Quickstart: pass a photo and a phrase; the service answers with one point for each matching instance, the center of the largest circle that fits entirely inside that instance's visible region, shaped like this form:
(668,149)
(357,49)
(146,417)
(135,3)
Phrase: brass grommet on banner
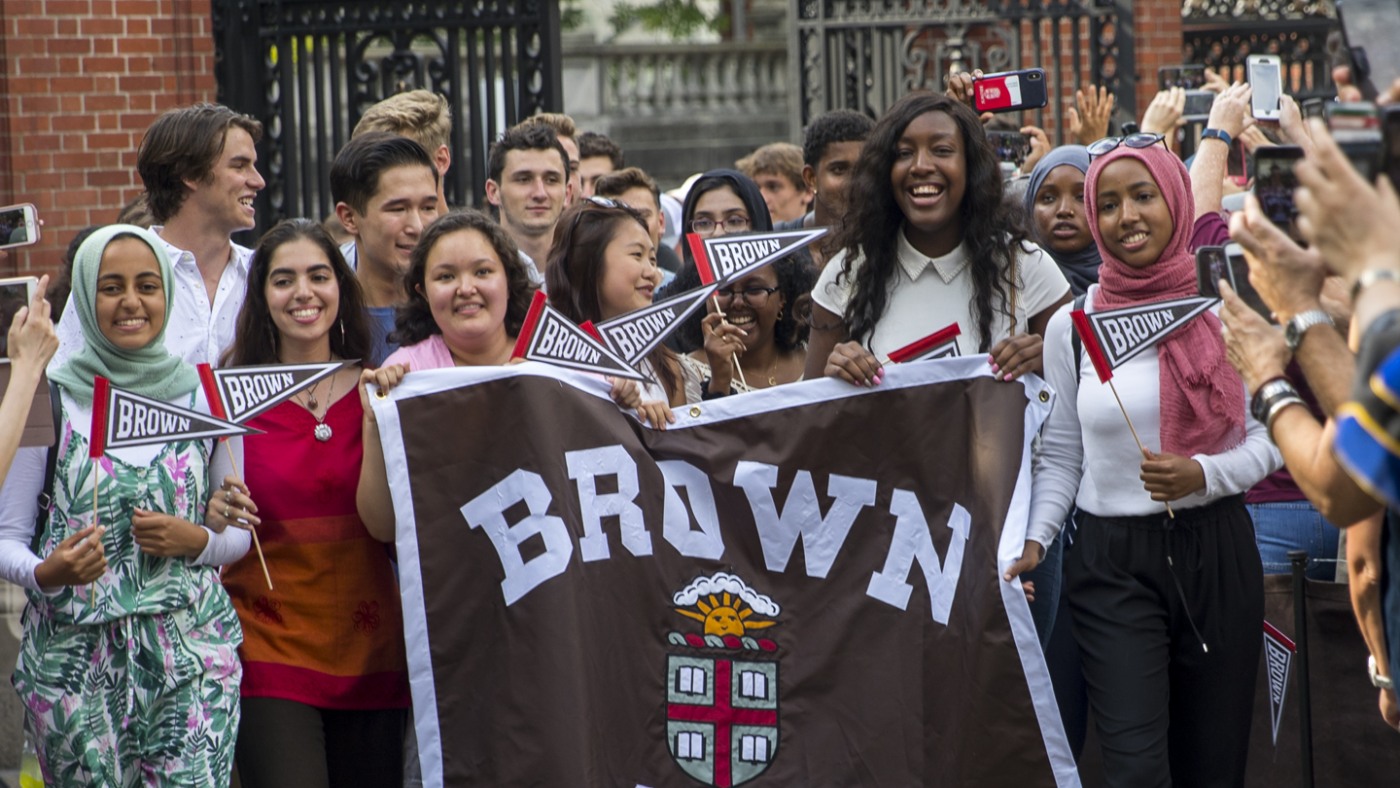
(381,394)
(695,412)
(1044,396)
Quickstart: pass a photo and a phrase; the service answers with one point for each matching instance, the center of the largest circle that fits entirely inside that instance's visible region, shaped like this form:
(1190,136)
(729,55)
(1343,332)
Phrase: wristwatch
(1378,681)
(1216,134)
(1299,325)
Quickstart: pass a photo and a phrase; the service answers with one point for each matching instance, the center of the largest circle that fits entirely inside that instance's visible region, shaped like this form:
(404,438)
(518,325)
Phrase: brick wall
(82,80)
(1157,38)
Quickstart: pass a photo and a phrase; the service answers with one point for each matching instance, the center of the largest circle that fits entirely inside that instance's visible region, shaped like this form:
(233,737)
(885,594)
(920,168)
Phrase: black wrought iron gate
(308,69)
(865,54)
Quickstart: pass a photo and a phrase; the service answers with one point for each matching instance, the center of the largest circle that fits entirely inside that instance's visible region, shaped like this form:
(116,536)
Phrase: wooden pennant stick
(252,529)
(738,370)
(1131,428)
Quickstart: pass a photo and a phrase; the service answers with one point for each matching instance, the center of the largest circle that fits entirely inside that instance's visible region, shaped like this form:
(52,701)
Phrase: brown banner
(797,587)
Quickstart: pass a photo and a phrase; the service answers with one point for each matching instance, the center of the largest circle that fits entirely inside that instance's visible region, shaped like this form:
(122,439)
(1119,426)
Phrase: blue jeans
(1048,577)
(1294,525)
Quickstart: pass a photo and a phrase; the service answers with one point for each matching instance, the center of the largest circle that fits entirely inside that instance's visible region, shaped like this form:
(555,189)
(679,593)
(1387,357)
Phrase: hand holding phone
(15,294)
(1010,91)
(1266,77)
(1275,182)
(1186,77)
(19,225)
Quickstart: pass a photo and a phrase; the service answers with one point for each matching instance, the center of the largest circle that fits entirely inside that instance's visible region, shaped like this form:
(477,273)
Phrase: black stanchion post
(1299,561)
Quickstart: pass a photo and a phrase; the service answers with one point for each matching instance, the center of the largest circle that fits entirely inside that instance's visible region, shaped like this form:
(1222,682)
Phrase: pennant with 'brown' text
(637,333)
(128,419)
(727,258)
(240,393)
(1124,333)
(549,336)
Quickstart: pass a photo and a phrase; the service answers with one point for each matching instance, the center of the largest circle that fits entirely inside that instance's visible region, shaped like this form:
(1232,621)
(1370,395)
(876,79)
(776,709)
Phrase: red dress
(331,633)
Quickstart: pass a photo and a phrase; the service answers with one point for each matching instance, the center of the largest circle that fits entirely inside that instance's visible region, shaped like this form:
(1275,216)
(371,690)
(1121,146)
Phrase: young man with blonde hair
(777,169)
(424,117)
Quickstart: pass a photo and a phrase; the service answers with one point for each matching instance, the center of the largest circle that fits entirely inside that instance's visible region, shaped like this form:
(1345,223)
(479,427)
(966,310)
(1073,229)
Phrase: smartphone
(19,226)
(14,294)
(1266,77)
(1369,28)
(1390,143)
(1211,266)
(1274,182)
(1011,147)
(1356,126)
(1198,104)
(1239,281)
(1238,167)
(1010,91)
(1185,77)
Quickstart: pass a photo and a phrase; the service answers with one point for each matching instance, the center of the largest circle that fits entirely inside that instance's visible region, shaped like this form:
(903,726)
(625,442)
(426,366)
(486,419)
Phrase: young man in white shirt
(385,189)
(199,166)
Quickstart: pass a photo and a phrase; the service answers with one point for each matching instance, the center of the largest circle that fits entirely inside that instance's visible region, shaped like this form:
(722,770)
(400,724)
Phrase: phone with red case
(1010,91)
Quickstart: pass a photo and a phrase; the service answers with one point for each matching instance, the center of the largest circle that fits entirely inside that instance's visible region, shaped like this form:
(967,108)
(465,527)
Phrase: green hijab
(150,371)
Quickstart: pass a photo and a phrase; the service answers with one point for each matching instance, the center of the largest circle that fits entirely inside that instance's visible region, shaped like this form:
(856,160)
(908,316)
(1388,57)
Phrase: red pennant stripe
(921,346)
(592,330)
(702,260)
(211,391)
(1091,344)
(532,319)
(97,438)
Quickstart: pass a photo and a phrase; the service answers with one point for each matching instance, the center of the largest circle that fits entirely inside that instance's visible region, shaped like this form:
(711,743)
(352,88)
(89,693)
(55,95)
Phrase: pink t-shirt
(431,353)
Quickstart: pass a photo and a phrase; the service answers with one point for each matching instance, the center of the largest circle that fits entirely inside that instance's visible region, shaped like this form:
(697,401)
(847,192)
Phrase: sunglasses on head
(1139,141)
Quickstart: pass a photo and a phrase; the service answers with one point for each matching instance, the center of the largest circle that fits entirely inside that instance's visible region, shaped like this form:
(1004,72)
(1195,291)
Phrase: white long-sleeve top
(1088,456)
(19,499)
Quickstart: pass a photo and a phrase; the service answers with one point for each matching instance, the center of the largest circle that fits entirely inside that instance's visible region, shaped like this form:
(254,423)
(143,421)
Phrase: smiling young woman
(1166,608)
(127,668)
(928,242)
(602,265)
(324,696)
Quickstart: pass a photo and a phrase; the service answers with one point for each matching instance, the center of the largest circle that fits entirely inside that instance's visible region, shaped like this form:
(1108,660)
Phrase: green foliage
(678,19)
(571,16)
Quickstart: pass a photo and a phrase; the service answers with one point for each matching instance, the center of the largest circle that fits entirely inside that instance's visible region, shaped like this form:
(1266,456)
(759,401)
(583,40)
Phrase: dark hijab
(1081,268)
(688,338)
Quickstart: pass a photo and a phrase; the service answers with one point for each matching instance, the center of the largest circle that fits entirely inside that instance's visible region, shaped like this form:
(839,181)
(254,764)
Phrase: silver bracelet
(1276,407)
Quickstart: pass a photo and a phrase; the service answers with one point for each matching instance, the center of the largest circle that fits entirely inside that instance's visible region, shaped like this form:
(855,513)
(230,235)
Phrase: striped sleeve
(1368,427)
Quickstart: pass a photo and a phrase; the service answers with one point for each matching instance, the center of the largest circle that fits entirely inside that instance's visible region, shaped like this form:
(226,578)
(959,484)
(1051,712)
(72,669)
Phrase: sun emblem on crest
(725,615)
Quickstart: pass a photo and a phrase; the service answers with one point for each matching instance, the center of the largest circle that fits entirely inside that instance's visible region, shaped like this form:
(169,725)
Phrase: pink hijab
(1202,398)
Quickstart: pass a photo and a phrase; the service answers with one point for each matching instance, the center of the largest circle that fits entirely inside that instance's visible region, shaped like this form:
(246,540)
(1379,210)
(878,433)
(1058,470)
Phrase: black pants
(284,743)
(1145,594)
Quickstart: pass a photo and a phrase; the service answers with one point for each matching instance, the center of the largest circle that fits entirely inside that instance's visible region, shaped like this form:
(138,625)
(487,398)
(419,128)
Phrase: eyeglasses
(1139,141)
(737,223)
(754,296)
(601,202)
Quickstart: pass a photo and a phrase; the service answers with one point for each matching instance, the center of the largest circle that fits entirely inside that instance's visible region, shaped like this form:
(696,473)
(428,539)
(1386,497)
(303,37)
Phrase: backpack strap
(50,468)
(1075,343)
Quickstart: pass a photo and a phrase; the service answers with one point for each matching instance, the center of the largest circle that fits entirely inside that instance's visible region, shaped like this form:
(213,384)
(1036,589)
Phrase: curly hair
(414,321)
(257,341)
(828,128)
(578,263)
(990,230)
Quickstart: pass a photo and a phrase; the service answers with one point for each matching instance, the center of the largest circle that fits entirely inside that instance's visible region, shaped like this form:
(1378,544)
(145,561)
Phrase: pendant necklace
(322,432)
